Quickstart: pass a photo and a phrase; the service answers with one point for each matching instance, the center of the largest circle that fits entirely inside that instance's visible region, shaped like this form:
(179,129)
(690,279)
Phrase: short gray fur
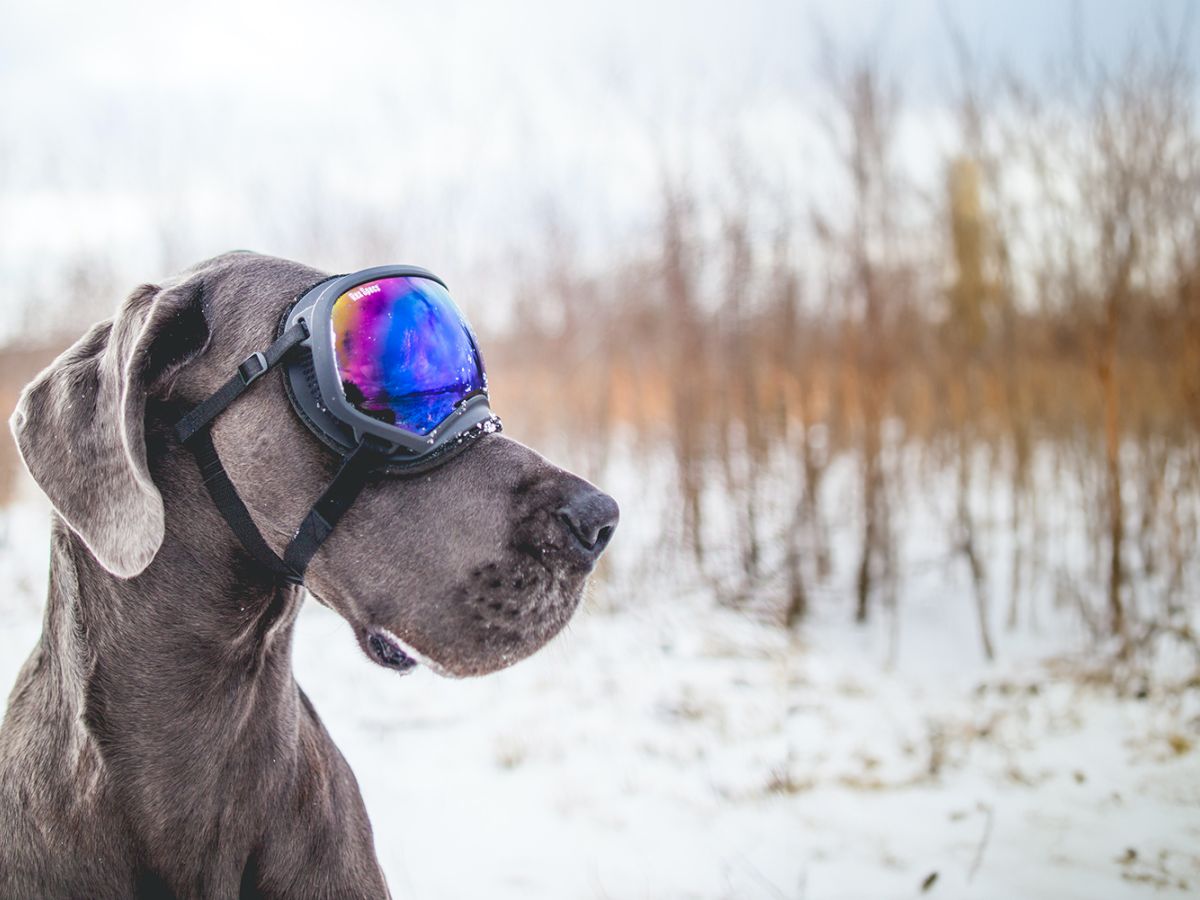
(156,743)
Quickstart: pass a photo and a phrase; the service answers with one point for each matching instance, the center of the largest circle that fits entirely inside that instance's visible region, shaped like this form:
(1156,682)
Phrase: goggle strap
(230,505)
(332,504)
(254,367)
(193,431)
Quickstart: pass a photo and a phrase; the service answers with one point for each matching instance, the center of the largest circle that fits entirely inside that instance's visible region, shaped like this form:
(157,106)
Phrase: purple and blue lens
(405,354)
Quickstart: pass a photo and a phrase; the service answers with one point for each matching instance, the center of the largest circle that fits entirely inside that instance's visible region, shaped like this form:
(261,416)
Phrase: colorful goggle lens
(405,354)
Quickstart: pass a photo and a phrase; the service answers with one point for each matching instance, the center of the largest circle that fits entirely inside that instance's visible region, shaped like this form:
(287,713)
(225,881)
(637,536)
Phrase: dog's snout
(591,516)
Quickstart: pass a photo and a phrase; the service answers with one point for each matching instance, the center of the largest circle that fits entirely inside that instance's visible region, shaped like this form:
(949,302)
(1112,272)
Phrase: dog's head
(470,566)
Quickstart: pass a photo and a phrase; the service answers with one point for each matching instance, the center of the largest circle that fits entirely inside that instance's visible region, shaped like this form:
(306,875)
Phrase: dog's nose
(591,517)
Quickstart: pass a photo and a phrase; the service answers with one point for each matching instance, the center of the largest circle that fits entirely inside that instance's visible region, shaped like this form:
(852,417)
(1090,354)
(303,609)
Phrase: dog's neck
(179,675)
(168,733)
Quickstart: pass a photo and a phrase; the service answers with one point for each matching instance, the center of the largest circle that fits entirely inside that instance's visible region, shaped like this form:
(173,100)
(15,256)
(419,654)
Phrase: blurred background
(880,319)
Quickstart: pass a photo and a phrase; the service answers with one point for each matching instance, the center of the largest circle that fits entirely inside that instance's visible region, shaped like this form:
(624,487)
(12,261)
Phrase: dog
(156,743)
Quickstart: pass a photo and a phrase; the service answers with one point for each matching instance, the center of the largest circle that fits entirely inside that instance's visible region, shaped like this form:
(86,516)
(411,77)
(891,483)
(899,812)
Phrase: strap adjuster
(248,372)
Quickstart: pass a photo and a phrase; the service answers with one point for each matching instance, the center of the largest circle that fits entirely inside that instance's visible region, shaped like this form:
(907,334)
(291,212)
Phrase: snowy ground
(668,750)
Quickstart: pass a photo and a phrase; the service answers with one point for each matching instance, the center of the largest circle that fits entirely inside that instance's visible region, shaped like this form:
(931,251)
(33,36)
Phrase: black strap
(332,505)
(252,368)
(225,496)
(194,432)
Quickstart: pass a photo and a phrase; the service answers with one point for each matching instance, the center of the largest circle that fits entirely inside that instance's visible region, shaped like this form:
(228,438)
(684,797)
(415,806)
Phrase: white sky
(143,136)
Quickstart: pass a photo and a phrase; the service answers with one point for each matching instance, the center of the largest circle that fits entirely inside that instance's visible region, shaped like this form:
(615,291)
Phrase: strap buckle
(249,375)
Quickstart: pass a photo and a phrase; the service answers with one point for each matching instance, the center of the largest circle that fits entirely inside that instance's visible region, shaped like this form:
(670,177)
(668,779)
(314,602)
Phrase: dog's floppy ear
(80,425)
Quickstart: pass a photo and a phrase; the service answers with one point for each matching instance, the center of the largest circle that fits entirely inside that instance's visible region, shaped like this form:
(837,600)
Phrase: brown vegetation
(1027,326)
(1046,303)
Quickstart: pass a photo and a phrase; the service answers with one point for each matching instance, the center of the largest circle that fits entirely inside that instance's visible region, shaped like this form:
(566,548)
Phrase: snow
(664,747)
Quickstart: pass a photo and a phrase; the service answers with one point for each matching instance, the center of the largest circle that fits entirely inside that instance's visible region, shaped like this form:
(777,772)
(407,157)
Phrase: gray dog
(156,743)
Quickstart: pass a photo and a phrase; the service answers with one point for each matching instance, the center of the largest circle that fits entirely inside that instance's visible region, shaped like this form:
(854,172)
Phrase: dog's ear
(80,425)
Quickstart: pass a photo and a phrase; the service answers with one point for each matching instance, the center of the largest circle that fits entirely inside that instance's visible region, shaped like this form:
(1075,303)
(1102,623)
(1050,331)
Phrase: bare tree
(861,125)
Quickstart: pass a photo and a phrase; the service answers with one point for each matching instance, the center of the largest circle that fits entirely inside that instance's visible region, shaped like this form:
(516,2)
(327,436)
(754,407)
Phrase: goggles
(383,368)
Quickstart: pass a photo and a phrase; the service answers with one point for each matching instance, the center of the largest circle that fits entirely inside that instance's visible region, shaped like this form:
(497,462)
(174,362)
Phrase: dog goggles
(383,368)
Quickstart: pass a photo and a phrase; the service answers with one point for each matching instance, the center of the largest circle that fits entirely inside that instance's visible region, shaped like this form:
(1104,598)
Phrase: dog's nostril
(591,516)
(604,535)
